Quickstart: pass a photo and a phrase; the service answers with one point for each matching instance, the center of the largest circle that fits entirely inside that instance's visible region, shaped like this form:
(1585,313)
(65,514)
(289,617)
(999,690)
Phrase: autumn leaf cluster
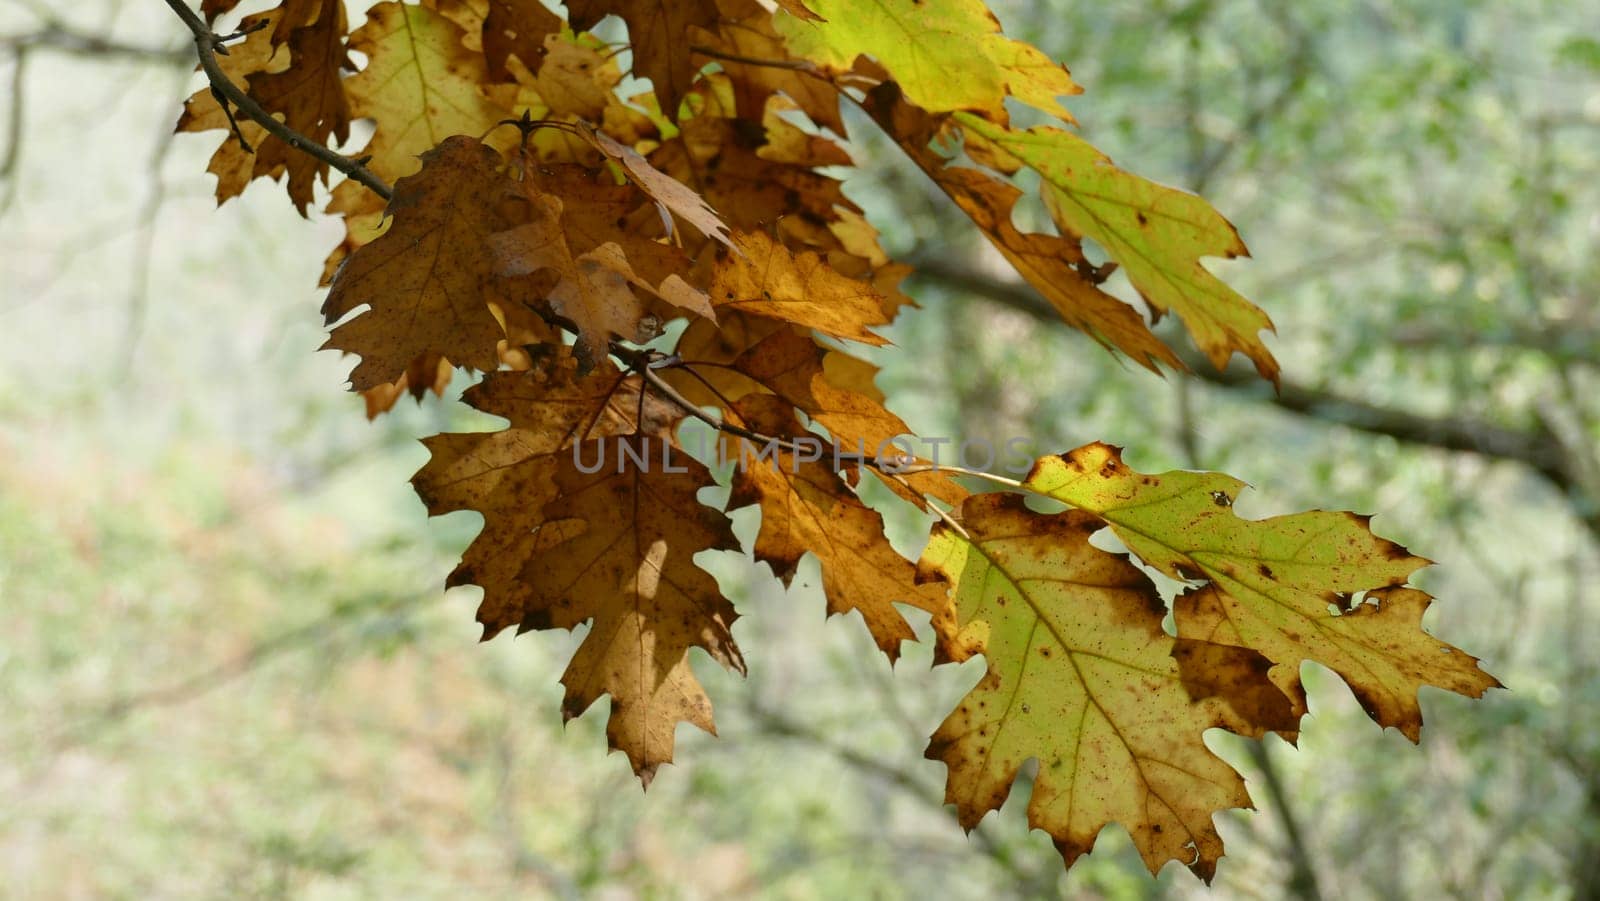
(624,233)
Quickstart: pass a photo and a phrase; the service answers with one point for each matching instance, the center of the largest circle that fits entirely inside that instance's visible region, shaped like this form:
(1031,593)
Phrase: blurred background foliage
(228,668)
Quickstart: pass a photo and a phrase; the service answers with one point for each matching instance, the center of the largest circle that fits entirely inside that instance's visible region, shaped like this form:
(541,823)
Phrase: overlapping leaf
(764,279)
(614,546)
(657,32)
(575,78)
(423,280)
(1281,585)
(291,62)
(517,28)
(746,32)
(594,290)
(421,84)
(673,197)
(806,507)
(429,372)
(1157,234)
(232,164)
(1081,677)
(628,566)
(507,475)
(1056,267)
(946,54)
(768,358)
(310,96)
(722,160)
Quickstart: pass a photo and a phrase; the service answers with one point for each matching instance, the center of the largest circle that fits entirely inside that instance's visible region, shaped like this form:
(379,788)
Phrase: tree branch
(54,35)
(206,45)
(1536,448)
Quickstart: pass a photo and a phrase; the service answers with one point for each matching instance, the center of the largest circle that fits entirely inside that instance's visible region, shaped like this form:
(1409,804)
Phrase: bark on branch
(207,45)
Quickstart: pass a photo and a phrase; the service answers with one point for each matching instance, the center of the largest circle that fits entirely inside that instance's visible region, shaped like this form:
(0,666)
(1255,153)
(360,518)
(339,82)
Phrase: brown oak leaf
(594,289)
(658,32)
(806,506)
(766,279)
(620,553)
(506,475)
(423,280)
(517,28)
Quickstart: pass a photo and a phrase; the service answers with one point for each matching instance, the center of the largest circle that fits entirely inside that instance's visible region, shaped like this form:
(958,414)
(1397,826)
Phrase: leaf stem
(961,471)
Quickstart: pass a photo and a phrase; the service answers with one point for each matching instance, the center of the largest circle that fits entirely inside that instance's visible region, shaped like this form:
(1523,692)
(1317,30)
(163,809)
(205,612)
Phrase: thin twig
(918,468)
(60,38)
(894,471)
(139,288)
(795,65)
(12,156)
(206,44)
(895,468)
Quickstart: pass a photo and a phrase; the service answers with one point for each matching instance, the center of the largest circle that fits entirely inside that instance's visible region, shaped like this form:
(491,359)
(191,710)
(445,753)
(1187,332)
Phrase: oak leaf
(766,279)
(861,256)
(1378,646)
(945,54)
(302,99)
(594,289)
(507,475)
(670,194)
(1055,267)
(791,366)
(614,546)
(423,279)
(308,95)
(1278,584)
(429,372)
(745,32)
(517,28)
(621,554)
(234,165)
(421,85)
(658,33)
(574,78)
(806,507)
(721,160)
(596,211)
(1156,233)
(1081,677)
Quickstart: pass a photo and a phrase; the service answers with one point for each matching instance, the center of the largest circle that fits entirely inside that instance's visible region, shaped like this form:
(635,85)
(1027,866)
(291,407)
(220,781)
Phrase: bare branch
(61,38)
(1536,448)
